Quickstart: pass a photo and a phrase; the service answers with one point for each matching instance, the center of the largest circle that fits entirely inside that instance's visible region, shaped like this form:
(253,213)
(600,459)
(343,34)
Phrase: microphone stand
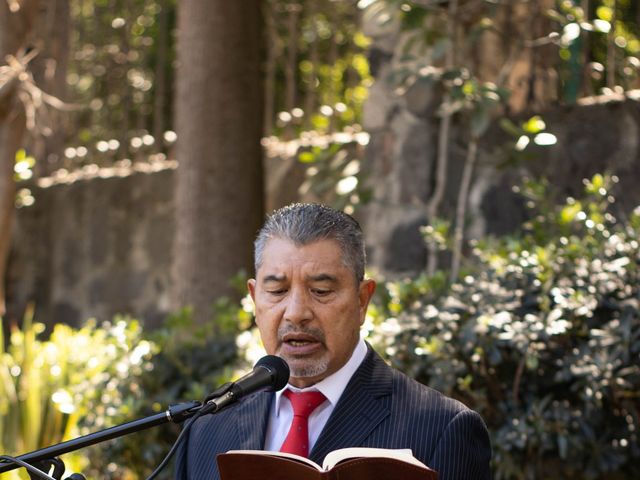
(48,457)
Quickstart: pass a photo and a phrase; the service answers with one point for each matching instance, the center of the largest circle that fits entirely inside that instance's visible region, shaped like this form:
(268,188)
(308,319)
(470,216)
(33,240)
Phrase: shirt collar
(333,385)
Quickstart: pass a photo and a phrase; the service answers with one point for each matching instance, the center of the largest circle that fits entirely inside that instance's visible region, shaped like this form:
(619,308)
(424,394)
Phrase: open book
(345,464)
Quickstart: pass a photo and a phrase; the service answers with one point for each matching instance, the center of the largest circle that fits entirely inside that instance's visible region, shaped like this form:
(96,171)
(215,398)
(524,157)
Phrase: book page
(337,456)
(291,456)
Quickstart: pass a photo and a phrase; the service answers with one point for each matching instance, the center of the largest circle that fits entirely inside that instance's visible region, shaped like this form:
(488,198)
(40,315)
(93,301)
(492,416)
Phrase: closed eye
(321,292)
(277,291)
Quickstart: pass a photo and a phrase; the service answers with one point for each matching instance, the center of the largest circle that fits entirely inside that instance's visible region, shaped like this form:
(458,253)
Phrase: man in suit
(311,297)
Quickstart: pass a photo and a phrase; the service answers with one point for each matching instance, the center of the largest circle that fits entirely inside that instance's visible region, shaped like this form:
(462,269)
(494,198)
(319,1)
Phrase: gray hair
(304,223)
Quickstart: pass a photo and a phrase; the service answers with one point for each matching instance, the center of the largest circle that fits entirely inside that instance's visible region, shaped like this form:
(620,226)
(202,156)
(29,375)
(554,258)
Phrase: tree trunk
(273,51)
(126,99)
(291,70)
(442,161)
(219,190)
(160,90)
(310,99)
(611,49)
(50,74)
(16,25)
(333,94)
(461,209)
(12,126)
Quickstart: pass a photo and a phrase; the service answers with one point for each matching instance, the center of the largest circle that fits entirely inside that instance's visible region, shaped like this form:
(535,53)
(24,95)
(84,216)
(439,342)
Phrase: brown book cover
(345,464)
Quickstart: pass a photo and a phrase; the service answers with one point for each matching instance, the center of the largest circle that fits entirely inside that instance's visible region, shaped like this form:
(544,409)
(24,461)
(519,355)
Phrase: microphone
(271,373)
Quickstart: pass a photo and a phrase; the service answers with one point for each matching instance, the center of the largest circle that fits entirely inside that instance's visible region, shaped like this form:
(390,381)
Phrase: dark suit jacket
(380,407)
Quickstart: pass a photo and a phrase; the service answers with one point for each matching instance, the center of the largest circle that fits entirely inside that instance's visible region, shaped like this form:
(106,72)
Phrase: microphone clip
(218,392)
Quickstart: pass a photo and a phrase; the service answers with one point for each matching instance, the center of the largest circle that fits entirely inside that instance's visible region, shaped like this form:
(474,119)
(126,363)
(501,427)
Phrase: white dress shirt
(331,387)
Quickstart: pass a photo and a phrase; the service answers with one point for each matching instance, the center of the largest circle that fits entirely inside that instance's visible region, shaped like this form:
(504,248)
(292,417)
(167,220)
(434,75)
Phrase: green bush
(80,381)
(85,380)
(541,336)
(57,389)
(191,361)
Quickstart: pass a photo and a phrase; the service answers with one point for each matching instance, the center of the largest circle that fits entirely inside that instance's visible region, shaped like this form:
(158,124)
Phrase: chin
(307,369)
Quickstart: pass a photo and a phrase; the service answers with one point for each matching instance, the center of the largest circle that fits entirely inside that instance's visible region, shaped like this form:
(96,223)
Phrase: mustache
(287,329)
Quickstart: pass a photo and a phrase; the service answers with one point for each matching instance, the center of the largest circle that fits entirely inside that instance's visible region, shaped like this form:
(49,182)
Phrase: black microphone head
(278,368)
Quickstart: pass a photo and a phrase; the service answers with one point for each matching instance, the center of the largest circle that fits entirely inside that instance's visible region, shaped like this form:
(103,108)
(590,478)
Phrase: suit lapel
(253,415)
(365,402)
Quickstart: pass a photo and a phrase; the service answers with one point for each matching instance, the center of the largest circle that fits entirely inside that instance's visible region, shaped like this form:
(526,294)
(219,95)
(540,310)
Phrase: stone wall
(94,247)
(99,244)
(598,135)
(601,135)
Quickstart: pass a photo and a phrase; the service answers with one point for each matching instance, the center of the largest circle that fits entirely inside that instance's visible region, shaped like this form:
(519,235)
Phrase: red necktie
(303,404)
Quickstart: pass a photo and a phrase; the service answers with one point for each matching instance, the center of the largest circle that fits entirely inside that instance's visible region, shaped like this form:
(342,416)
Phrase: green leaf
(306,157)
(597,182)
(534,125)
(21,155)
(510,127)
(469,88)
(604,13)
(569,212)
(414,17)
(361,40)
(453,74)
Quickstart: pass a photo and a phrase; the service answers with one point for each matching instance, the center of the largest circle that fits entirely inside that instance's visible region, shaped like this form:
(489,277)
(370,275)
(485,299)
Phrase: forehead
(281,255)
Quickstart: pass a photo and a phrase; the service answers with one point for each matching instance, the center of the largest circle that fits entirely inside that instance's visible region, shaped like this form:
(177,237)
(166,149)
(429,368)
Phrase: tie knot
(304,403)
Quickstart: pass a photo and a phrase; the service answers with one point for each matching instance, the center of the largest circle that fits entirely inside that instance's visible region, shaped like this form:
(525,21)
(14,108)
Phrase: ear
(251,286)
(365,293)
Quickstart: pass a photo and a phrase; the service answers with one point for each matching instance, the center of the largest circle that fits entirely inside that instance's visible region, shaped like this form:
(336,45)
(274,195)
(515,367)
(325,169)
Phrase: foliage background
(538,330)
(541,337)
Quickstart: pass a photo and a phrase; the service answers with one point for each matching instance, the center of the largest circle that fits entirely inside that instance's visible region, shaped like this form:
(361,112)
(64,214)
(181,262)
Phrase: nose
(297,308)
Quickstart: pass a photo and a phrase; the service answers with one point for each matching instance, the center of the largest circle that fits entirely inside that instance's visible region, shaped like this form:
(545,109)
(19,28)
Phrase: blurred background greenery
(538,328)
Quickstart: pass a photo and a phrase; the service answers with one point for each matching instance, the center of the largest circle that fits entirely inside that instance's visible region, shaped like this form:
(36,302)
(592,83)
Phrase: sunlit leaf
(346,185)
(596,183)
(21,154)
(604,12)
(534,125)
(602,26)
(569,213)
(469,88)
(545,139)
(306,157)
(522,143)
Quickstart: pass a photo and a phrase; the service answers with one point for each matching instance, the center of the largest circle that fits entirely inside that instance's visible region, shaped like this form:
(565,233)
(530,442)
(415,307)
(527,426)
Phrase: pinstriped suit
(380,407)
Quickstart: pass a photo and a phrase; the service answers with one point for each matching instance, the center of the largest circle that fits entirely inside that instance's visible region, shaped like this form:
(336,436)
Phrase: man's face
(309,307)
